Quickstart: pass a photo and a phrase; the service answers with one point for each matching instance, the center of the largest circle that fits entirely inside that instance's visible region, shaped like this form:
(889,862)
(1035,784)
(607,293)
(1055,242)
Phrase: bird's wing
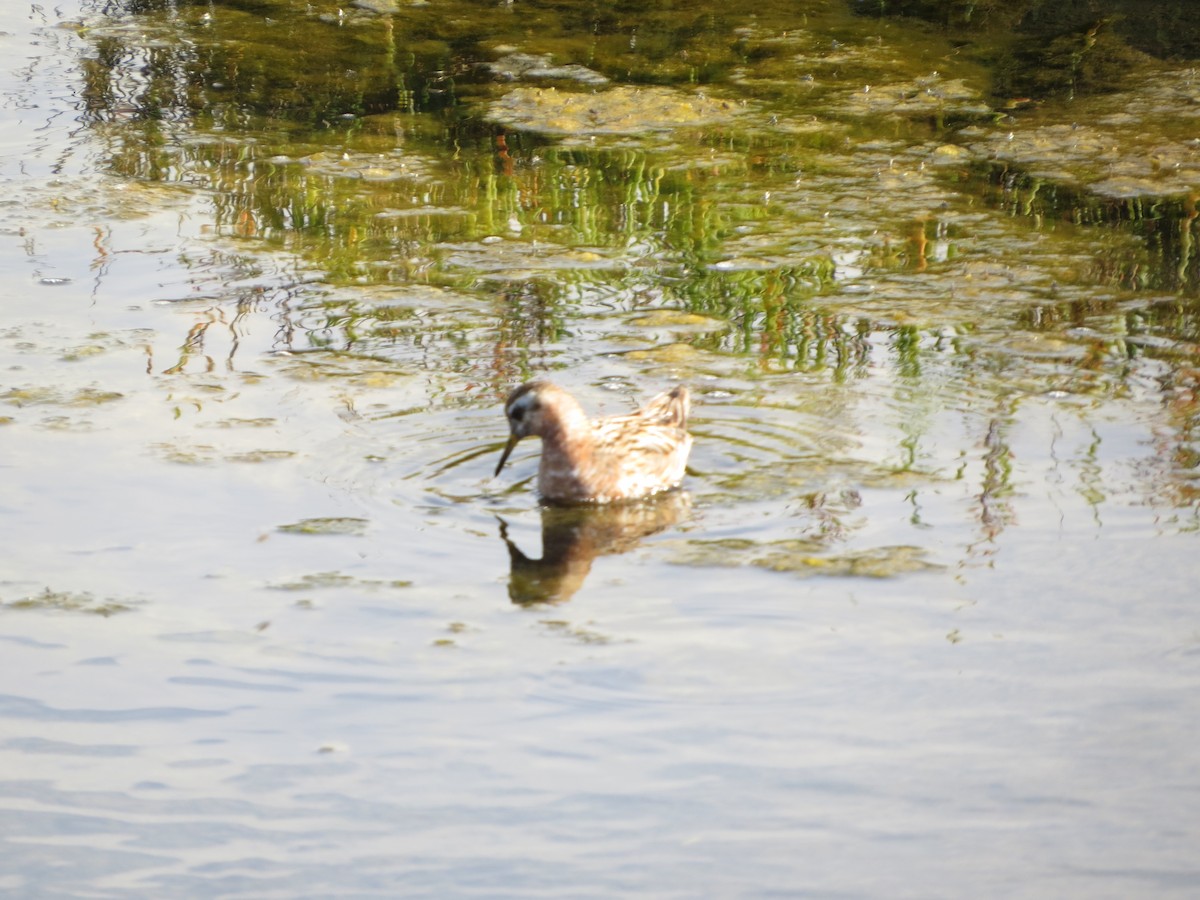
(633,436)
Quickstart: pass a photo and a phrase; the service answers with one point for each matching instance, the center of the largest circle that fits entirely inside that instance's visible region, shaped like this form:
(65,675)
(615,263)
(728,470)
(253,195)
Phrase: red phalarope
(600,460)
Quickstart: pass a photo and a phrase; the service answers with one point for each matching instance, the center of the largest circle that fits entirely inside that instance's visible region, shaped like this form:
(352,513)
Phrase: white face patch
(520,412)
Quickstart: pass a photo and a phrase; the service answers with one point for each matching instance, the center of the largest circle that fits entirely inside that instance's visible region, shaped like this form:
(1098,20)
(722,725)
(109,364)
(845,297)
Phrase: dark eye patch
(518,413)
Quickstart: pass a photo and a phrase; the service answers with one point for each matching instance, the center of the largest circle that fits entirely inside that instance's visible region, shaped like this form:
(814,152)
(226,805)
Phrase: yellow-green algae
(69,601)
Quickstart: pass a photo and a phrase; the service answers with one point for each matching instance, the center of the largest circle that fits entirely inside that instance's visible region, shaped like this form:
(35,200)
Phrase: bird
(604,460)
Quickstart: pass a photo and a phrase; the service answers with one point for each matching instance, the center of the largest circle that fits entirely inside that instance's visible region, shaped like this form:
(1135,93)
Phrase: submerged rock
(619,110)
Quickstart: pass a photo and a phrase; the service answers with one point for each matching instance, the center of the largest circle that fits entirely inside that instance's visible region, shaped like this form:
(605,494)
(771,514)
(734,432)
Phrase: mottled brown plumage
(601,460)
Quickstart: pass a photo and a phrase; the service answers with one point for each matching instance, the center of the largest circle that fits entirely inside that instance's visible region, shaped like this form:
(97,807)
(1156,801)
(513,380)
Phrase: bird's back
(644,452)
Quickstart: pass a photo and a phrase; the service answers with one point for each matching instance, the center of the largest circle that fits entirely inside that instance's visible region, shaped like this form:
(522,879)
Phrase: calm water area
(923,622)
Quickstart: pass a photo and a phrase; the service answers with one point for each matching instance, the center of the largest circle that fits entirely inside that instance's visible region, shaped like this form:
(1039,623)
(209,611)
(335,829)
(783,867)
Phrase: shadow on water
(1046,47)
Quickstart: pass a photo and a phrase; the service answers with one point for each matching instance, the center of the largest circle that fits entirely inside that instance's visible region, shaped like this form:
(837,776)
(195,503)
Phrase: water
(922,624)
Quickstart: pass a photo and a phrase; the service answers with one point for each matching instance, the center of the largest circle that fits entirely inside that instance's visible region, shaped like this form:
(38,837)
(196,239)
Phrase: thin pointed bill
(508,448)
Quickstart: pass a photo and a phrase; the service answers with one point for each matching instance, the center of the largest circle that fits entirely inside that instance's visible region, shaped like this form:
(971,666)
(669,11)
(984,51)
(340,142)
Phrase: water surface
(922,623)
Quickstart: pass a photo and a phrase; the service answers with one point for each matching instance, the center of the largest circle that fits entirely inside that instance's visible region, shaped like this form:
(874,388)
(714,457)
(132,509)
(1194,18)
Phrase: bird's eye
(518,413)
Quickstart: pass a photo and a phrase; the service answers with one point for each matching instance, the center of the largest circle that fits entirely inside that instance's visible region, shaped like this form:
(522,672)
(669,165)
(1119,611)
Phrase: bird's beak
(508,448)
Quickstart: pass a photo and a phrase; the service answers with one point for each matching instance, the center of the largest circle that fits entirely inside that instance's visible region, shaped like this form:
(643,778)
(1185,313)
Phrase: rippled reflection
(574,536)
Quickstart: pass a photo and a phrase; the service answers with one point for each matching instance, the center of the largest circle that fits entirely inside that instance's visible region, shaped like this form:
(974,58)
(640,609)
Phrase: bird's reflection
(573,536)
